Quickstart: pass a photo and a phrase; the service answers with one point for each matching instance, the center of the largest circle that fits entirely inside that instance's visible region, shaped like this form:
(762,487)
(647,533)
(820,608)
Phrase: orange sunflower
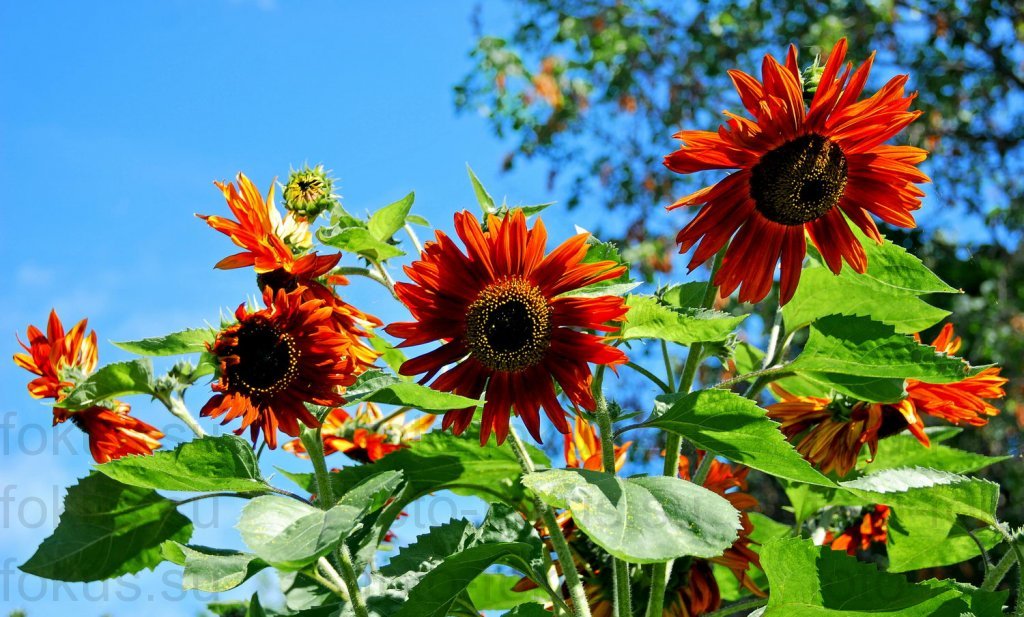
(275,360)
(501,311)
(368,436)
(583,448)
(271,243)
(871,527)
(799,169)
(61,359)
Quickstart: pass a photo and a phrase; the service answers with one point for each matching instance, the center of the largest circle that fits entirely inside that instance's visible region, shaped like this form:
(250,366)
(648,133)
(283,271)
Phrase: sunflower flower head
(60,360)
(309,192)
(800,169)
(275,360)
(368,436)
(505,323)
(868,526)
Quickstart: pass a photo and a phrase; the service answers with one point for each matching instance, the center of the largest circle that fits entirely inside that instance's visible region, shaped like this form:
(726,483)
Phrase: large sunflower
(277,248)
(275,360)
(799,169)
(505,323)
(61,359)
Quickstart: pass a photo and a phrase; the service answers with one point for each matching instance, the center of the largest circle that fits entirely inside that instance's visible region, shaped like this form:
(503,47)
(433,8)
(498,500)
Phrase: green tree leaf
(107,529)
(812,581)
(175,344)
(736,428)
(111,381)
(212,569)
(641,519)
(863,347)
(224,463)
(650,318)
(379,387)
(289,534)
(385,222)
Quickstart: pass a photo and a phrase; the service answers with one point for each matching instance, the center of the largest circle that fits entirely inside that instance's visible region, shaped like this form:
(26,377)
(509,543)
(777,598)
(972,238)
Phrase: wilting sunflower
(368,436)
(275,360)
(813,170)
(281,261)
(869,527)
(831,433)
(61,360)
(505,322)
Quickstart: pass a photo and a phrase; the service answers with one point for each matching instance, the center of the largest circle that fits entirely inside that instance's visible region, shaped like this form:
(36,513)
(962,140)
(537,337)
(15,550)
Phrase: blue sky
(117,116)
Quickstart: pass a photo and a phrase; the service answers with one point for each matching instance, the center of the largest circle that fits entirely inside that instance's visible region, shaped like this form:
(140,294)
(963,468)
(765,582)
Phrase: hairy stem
(997,573)
(178,409)
(674,443)
(580,605)
(620,570)
(666,388)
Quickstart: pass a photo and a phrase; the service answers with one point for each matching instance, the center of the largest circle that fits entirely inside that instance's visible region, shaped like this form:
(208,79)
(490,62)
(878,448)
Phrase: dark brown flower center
(799,181)
(508,326)
(277,279)
(268,359)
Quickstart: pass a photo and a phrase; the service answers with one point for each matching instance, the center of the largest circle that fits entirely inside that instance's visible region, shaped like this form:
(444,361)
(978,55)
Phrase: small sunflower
(505,322)
(61,359)
(309,192)
(870,527)
(800,169)
(275,360)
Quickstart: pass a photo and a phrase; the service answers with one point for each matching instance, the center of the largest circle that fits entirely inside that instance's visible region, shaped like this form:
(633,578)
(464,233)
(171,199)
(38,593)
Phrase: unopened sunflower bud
(309,192)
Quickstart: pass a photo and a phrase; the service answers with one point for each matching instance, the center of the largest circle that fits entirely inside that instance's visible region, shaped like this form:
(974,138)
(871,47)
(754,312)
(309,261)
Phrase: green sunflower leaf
(379,387)
(108,529)
(174,344)
(648,317)
(225,463)
(494,592)
(212,569)
(940,493)
(482,196)
(360,241)
(811,581)
(289,534)
(859,346)
(919,539)
(384,223)
(641,519)
(109,382)
(736,428)
(904,450)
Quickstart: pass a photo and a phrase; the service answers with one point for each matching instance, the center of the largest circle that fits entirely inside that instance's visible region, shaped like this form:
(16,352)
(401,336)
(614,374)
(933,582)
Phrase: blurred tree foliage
(596,88)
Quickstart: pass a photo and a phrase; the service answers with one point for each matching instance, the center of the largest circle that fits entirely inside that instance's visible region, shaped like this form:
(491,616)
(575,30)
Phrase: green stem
(580,605)
(178,409)
(327,576)
(997,573)
(670,373)
(771,357)
(415,239)
(314,445)
(701,473)
(674,443)
(620,570)
(390,416)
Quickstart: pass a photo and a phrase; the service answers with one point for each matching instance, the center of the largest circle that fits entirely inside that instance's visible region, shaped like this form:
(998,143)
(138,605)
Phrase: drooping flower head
(499,308)
(368,436)
(61,359)
(275,360)
(799,169)
(277,249)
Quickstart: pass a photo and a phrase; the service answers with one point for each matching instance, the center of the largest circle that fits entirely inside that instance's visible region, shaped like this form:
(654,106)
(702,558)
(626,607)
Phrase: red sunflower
(962,402)
(871,527)
(268,241)
(501,311)
(60,360)
(368,436)
(799,169)
(275,360)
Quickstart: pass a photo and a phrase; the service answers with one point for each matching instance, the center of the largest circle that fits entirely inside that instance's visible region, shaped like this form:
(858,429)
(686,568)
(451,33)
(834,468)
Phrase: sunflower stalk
(674,443)
(580,604)
(997,573)
(178,409)
(314,445)
(620,569)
